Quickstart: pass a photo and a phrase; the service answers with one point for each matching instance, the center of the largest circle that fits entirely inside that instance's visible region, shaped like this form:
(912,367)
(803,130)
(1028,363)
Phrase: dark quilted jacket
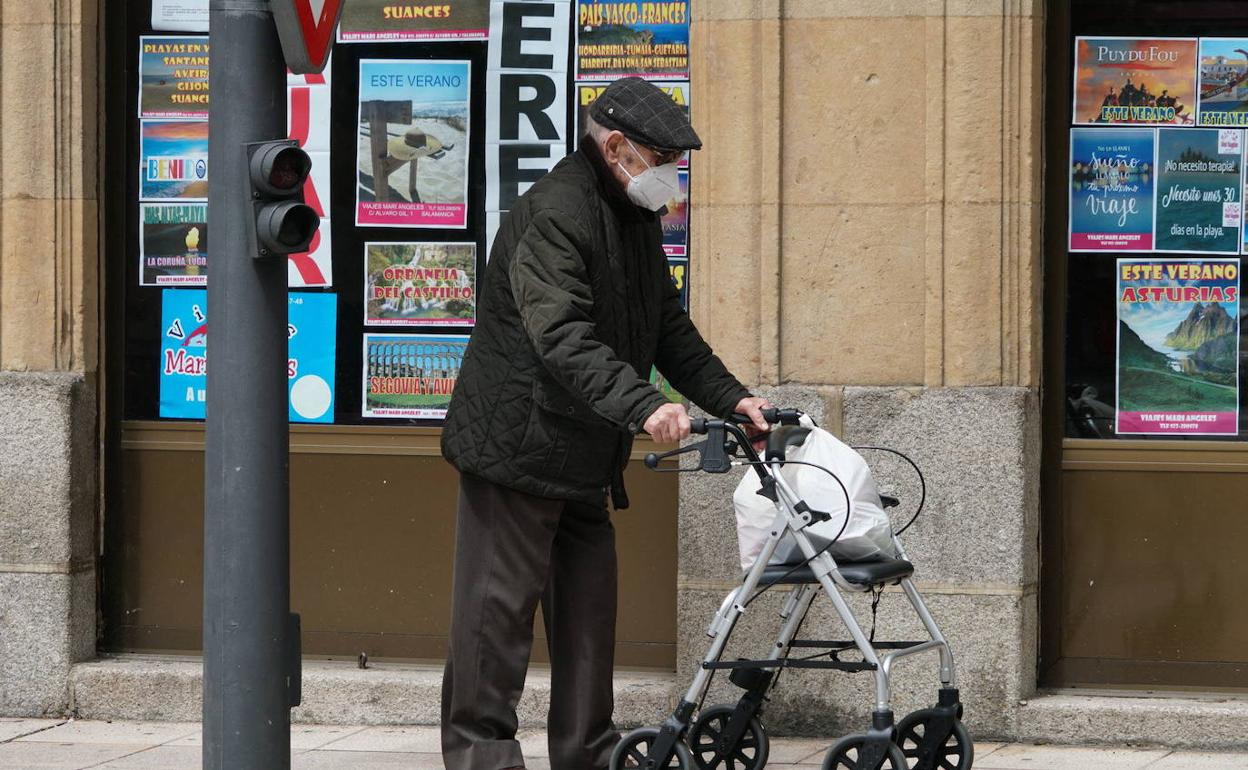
(574,307)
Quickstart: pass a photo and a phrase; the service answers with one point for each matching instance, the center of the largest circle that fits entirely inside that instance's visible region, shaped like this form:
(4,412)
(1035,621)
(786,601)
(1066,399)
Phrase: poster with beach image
(1133,80)
(420,284)
(410,376)
(173,244)
(173,160)
(385,21)
(173,77)
(1223,82)
(619,38)
(413,143)
(1112,186)
(1178,347)
(1198,190)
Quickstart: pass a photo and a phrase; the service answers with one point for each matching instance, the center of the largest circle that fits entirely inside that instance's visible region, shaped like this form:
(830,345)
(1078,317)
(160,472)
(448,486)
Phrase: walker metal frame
(819,572)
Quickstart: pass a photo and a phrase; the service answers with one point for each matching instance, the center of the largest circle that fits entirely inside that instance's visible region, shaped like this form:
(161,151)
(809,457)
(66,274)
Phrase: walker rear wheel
(844,756)
(957,753)
(630,752)
(709,751)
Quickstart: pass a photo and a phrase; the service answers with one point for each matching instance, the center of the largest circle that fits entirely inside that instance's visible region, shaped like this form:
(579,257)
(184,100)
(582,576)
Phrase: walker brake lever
(654,458)
(712,453)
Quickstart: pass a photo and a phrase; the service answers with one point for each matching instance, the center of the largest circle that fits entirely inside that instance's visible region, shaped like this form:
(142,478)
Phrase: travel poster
(386,21)
(1223,81)
(1135,80)
(173,77)
(1178,347)
(619,38)
(675,221)
(410,376)
(420,284)
(173,244)
(1198,189)
(311,344)
(173,160)
(1112,185)
(413,143)
(679,269)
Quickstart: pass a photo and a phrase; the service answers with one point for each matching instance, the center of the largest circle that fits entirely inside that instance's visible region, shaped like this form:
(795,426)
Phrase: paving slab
(27,755)
(132,733)
(1200,760)
(1017,756)
(415,740)
(159,758)
(16,728)
(302,737)
(365,760)
(795,750)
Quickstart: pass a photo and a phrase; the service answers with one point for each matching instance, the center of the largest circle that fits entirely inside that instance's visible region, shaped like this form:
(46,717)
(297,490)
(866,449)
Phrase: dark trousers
(513,550)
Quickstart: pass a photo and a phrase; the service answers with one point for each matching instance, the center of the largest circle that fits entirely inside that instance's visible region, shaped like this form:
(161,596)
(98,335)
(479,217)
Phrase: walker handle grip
(773,415)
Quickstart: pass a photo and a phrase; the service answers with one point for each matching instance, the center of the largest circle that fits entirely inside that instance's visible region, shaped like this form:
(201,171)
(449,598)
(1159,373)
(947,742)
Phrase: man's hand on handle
(668,424)
(752,407)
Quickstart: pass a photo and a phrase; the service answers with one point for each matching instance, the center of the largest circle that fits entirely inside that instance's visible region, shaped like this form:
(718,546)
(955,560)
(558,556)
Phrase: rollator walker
(731,736)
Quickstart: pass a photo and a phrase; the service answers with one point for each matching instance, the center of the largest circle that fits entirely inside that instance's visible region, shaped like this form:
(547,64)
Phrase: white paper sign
(511,169)
(180,15)
(526,107)
(314,267)
(307,117)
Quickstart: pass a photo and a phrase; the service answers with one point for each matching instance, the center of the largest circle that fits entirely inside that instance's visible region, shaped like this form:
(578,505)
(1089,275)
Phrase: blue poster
(183,353)
(1112,183)
(174,162)
(313,330)
(1198,189)
(312,334)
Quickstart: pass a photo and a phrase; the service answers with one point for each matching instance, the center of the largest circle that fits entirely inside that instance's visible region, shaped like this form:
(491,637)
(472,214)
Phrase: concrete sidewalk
(76,745)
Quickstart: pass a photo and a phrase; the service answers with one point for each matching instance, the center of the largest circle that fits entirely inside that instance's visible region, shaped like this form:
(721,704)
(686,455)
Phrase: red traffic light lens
(289,168)
(278,169)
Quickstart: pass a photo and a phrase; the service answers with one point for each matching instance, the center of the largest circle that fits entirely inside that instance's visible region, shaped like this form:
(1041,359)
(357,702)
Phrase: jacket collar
(607,185)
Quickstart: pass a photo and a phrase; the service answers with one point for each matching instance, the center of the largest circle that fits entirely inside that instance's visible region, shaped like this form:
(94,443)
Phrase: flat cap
(642,112)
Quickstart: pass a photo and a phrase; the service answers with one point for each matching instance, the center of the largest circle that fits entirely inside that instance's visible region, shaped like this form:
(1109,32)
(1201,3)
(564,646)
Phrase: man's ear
(611,147)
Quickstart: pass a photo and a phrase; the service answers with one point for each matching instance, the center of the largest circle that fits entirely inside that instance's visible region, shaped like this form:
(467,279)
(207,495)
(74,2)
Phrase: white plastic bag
(866,536)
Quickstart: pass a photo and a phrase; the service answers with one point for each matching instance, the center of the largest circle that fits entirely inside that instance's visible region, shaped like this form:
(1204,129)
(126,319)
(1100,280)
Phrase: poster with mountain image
(1198,190)
(1112,186)
(1178,347)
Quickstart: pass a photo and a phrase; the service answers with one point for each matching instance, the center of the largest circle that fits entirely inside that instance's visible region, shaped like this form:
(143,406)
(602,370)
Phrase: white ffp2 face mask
(653,188)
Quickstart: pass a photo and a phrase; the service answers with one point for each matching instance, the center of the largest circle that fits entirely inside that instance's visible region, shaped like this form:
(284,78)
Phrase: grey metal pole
(248,644)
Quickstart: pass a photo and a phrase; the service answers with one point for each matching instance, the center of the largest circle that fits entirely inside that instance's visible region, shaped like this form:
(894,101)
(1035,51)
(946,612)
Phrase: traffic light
(283,224)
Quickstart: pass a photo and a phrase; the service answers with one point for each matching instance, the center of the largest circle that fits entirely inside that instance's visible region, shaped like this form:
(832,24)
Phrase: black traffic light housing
(283,224)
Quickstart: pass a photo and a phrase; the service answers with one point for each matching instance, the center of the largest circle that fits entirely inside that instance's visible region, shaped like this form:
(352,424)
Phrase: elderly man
(576,305)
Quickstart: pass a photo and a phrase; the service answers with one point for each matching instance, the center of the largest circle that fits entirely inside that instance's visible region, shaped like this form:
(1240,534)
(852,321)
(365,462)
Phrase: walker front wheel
(956,753)
(630,753)
(710,749)
(845,753)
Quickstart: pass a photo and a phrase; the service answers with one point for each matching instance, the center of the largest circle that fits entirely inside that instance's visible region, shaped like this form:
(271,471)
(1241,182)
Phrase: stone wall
(866,239)
(867,203)
(49,327)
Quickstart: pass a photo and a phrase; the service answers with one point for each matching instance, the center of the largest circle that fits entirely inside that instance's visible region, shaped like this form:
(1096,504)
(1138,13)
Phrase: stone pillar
(866,247)
(49,134)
